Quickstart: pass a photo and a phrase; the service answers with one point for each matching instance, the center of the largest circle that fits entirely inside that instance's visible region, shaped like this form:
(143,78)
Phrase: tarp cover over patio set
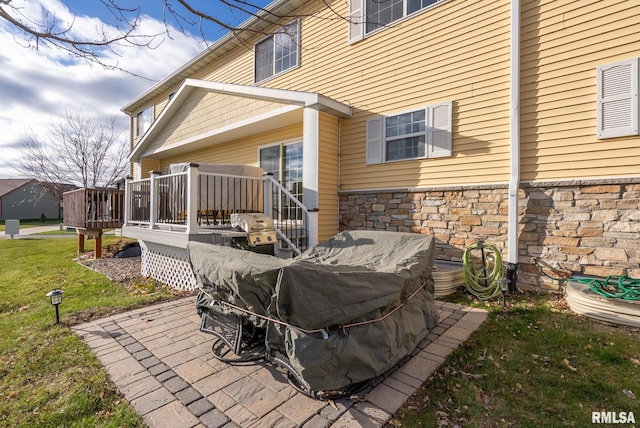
(340,314)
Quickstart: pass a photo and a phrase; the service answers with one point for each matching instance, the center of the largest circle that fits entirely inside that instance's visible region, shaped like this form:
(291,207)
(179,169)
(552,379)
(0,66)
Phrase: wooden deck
(94,208)
(90,211)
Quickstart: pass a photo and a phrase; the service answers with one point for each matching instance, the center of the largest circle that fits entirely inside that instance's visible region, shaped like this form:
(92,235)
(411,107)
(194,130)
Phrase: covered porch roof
(290,109)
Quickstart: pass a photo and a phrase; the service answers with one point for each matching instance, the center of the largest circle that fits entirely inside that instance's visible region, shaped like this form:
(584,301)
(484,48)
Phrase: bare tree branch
(47,33)
(52,32)
(79,150)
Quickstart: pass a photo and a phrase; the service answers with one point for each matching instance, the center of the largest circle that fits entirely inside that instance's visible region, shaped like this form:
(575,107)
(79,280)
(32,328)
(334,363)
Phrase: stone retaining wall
(584,227)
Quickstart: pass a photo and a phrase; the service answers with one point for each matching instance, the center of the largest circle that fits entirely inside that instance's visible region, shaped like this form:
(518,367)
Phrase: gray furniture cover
(343,312)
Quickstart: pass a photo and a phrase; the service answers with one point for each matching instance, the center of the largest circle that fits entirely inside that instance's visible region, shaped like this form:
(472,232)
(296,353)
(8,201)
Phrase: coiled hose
(611,287)
(482,284)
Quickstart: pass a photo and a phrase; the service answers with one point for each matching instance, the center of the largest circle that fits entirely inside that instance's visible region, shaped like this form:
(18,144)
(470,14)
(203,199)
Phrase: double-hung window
(277,53)
(405,136)
(143,121)
(417,134)
(366,16)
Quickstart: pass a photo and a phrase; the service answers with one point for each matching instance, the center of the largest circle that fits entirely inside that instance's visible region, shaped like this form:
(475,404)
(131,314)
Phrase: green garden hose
(611,287)
(614,287)
(481,283)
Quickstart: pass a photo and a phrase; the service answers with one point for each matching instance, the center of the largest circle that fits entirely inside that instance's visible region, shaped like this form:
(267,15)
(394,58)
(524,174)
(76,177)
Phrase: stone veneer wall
(586,227)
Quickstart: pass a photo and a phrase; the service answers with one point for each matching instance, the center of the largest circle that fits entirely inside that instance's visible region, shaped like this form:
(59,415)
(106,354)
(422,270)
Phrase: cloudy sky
(37,85)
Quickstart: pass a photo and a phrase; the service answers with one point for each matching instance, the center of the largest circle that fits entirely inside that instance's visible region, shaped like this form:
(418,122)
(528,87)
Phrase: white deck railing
(195,202)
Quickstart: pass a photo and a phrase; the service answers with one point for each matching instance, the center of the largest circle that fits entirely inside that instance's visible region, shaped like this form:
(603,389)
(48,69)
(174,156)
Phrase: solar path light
(504,287)
(56,299)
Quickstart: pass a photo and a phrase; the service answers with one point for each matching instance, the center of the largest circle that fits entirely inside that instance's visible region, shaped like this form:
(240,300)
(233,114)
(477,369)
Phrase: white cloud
(37,85)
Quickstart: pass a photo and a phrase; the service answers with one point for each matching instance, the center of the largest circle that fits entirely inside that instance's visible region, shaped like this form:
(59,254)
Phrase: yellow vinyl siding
(239,152)
(563,42)
(456,51)
(148,165)
(235,67)
(207,111)
(160,106)
(328,177)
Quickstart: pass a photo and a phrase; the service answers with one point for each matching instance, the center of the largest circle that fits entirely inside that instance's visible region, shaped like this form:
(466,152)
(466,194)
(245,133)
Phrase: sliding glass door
(285,163)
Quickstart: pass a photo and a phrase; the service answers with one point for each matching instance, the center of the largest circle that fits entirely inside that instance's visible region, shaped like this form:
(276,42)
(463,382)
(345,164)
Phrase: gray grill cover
(356,276)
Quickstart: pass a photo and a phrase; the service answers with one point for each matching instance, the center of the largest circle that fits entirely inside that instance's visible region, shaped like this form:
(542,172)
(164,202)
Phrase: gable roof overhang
(257,24)
(293,104)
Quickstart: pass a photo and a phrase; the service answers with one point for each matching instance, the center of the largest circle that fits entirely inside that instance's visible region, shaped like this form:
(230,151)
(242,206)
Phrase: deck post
(267,194)
(312,227)
(96,234)
(127,203)
(153,199)
(192,198)
(97,245)
(80,242)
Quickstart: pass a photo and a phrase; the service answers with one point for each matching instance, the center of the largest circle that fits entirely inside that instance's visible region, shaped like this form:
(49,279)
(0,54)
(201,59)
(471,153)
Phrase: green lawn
(48,376)
(534,364)
(24,224)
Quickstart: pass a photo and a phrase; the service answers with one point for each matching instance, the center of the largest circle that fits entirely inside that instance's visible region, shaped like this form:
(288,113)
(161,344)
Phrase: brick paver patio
(163,365)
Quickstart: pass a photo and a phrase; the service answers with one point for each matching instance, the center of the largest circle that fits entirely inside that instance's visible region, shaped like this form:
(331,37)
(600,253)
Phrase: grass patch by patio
(533,364)
(48,376)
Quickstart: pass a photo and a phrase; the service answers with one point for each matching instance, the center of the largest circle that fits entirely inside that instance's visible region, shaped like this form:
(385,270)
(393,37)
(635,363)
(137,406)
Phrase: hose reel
(483,276)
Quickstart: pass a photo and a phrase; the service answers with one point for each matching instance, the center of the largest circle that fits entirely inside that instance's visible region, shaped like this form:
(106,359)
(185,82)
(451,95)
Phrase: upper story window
(143,121)
(366,16)
(277,53)
(417,134)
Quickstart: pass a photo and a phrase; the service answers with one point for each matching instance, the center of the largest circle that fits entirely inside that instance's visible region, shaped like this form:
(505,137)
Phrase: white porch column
(310,144)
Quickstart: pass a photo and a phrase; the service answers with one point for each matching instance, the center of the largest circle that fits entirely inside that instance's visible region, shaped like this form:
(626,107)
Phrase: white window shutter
(618,107)
(375,141)
(439,131)
(356,20)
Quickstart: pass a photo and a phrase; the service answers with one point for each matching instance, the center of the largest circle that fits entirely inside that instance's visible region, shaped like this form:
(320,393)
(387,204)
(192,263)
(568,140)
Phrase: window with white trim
(366,16)
(618,101)
(416,134)
(143,121)
(277,53)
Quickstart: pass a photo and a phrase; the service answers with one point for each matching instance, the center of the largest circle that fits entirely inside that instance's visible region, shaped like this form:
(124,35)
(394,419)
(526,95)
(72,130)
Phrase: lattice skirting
(168,265)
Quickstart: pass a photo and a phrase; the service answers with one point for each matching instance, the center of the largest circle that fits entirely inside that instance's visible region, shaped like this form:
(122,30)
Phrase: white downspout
(514,180)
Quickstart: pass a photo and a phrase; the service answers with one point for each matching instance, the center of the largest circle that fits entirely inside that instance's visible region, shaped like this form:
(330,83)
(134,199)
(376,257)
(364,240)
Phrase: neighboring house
(512,121)
(26,199)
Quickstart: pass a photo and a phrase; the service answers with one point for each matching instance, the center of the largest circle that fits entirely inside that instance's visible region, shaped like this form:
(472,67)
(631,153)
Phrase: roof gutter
(514,179)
